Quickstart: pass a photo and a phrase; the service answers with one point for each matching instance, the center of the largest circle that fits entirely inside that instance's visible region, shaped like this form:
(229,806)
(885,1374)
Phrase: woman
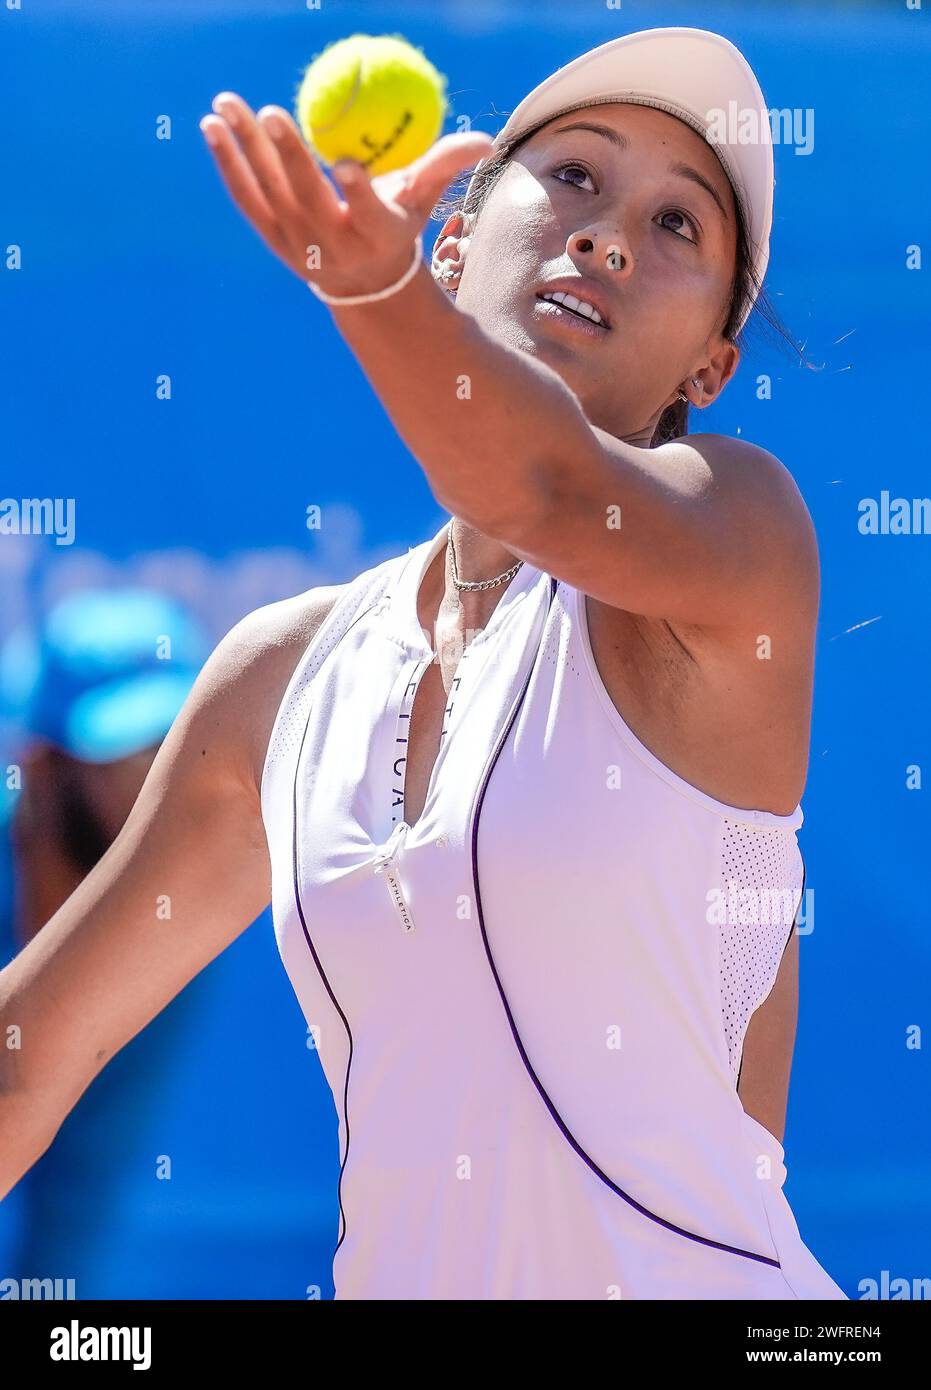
(504,862)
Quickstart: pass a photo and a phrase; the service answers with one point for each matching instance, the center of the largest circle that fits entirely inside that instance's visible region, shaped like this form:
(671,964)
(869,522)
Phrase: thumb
(426,178)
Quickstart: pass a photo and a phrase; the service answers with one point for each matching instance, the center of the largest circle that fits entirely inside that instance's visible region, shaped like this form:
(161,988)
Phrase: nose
(602,249)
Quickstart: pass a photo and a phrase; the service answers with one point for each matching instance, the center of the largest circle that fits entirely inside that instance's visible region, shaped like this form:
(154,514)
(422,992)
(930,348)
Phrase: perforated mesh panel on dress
(761,879)
(556,644)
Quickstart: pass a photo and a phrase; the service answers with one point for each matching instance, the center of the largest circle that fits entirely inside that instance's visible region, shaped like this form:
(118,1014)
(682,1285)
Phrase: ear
(716,372)
(450,249)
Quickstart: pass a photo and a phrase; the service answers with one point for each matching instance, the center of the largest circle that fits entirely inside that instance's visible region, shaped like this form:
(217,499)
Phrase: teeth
(578,306)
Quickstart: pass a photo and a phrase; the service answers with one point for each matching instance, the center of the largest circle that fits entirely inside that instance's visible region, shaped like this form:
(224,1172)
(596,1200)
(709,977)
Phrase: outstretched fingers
(309,185)
(258,150)
(241,183)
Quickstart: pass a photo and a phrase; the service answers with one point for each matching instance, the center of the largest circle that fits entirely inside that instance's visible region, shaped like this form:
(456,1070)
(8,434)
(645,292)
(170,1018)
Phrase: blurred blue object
(107,673)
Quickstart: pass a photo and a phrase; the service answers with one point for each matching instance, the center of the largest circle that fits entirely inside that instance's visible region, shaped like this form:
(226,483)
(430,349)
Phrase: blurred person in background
(94,691)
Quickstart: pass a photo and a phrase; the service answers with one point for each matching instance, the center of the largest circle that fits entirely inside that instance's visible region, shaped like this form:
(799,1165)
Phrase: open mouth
(578,308)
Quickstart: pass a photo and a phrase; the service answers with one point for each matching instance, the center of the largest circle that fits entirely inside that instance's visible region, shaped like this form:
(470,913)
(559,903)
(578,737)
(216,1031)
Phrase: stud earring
(695,382)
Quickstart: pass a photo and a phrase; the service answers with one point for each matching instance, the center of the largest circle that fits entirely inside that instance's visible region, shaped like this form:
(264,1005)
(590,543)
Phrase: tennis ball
(376,99)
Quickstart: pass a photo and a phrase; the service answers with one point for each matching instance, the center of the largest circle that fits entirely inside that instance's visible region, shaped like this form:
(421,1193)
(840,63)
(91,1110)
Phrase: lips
(578,300)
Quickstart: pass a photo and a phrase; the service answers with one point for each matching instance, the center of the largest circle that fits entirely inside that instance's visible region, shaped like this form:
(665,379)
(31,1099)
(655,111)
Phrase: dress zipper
(386,863)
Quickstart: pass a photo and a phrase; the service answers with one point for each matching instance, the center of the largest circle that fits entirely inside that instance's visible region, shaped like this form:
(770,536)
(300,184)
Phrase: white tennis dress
(530,1005)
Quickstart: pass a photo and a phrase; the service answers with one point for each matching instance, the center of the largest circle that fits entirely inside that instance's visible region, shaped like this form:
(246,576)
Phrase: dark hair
(674,420)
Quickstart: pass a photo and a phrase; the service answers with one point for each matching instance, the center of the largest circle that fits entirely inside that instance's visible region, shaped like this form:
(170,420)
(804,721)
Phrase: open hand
(354,244)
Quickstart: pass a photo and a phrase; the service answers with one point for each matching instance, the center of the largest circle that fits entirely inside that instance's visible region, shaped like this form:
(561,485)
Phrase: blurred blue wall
(135,264)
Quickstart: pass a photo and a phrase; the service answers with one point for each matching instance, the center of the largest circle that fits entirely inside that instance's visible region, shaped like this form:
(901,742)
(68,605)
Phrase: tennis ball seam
(356,88)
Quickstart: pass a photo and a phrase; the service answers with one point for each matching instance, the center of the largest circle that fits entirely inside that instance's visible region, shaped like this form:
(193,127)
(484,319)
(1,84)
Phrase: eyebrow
(685,171)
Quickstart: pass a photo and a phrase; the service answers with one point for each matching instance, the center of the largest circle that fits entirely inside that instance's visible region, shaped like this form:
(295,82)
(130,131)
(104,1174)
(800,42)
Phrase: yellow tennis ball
(376,99)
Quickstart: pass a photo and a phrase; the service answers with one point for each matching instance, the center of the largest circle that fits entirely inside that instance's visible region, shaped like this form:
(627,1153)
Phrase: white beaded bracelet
(379,294)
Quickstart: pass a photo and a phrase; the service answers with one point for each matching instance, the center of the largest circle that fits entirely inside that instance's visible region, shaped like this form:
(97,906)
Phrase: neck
(641,439)
(477,557)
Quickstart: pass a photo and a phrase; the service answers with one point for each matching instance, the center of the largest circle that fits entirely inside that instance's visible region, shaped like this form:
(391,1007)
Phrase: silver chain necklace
(475,583)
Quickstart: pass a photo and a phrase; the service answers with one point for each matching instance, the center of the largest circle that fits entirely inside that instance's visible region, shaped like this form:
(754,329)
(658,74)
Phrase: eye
(562,168)
(674,212)
(685,220)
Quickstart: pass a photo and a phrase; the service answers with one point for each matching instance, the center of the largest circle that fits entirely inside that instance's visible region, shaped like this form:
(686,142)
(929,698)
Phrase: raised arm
(187,874)
(708,530)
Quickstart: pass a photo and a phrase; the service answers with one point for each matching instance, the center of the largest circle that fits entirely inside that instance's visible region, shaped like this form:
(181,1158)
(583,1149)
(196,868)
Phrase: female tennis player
(524,799)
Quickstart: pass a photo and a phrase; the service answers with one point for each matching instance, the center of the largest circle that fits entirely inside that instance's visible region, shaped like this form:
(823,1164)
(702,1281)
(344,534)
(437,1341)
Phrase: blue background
(135,263)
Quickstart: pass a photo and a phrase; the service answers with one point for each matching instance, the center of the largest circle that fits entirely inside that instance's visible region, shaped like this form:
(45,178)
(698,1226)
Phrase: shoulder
(254,662)
(757,478)
(278,629)
(242,683)
(761,493)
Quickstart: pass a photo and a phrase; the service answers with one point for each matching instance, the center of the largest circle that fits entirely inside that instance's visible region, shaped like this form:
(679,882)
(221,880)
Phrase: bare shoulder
(765,501)
(763,486)
(249,670)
